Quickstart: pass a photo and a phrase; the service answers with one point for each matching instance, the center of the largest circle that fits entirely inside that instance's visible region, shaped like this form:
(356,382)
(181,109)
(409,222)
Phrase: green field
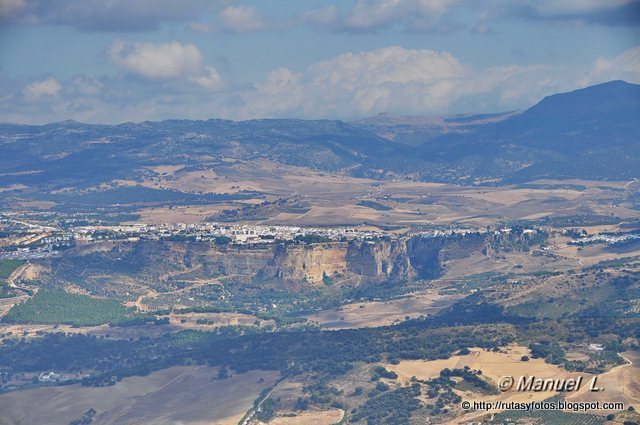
(550,417)
(6,291)
(8,266)
(59,307)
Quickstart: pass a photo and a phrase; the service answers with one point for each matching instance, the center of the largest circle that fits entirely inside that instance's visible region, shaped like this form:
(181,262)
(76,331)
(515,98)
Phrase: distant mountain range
(592,133)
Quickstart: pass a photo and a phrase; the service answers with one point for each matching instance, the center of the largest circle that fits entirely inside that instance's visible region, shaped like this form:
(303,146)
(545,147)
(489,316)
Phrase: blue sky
(133,60)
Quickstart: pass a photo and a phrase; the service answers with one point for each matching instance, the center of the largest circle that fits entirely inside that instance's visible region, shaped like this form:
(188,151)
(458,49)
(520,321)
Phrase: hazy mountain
(66,153)
(415,130)
(590,133)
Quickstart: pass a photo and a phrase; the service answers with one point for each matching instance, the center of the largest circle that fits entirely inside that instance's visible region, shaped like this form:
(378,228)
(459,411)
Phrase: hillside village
(25,240)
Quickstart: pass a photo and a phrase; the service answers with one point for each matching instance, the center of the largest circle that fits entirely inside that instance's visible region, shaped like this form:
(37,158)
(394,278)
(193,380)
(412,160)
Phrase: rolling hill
(592,133)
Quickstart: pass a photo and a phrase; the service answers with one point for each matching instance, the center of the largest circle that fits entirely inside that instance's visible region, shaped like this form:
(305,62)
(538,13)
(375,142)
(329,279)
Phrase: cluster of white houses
(40,242)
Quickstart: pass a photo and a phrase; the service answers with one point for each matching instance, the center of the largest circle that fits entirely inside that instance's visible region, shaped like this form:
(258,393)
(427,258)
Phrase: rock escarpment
(388,258)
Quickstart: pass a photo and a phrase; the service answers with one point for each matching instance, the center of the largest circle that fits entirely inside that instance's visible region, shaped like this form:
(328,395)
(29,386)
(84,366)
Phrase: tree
(223,373)
(302,404)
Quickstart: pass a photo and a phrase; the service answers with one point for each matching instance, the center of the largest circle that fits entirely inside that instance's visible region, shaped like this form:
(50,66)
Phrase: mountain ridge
(577,134)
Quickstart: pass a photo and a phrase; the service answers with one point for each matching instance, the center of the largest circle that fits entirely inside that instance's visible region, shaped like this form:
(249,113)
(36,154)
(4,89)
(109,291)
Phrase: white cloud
(324,18)
(156,61)
(436,15)
(87,85)
(241,19)
(363,15)
(400,81)
(43,88)
(351,85)
(373,14)
(209,80)
(570,7)
(10,7)
(163,61)
(200,27)
(376,15)
(418,82)
(625,66)
(391,79)
(606,12)
(105,15)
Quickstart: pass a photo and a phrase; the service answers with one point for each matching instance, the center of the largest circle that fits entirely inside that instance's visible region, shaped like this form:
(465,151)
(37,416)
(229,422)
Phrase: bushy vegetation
(517,239)
(8,266)
(548,417)
(374,205)
(381,372)
(295,352)
(140,194)
(6,291)
(476,308)
(312,238)
(440,394)
(390,407)
(85,419)
(471,377)
(550,351)
(321,393)
(59,307)
(277,300)
(577,220)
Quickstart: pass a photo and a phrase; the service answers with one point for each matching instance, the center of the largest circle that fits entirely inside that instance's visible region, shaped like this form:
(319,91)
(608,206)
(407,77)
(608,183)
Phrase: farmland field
(331,236)
(59,307)
(186,395)
(7,267)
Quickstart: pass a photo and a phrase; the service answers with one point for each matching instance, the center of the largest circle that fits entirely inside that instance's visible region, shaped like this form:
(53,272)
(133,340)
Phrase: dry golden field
(381,313)
(323,417)
(333,197)
(621,384)
(178,395)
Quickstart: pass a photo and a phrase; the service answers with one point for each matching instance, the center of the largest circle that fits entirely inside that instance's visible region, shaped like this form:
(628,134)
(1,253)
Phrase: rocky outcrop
(428,254)
(381,259)
(403,258)
(307,262)
(372,260)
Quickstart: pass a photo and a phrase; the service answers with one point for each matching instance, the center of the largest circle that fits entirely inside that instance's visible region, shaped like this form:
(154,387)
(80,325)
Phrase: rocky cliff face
(384,259)
(308,263)
(427,254)
(410,258)
(372,260)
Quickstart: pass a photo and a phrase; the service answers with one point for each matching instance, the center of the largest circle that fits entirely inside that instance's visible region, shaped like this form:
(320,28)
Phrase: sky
(112,61)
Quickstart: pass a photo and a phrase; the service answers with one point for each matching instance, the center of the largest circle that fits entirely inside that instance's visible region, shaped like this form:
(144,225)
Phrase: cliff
(404,258)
